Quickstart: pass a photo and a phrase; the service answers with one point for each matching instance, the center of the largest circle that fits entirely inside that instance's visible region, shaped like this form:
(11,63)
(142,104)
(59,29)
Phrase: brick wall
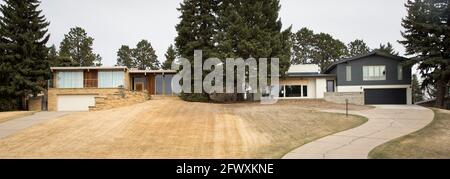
(35,104)
(353,97)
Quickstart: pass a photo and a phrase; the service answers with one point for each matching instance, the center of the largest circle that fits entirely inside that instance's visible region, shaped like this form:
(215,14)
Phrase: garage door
(75,102)
(385,96)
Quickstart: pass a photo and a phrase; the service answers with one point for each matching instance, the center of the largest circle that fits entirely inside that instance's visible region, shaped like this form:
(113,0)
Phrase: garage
(385,96)
(75,102)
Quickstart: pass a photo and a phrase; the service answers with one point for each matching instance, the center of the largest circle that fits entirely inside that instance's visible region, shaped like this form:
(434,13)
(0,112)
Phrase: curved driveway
(385,123)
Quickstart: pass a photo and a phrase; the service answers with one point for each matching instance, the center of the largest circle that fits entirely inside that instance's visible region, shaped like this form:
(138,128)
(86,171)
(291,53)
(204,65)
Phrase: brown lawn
(171,128)
(6,116)
(432,142)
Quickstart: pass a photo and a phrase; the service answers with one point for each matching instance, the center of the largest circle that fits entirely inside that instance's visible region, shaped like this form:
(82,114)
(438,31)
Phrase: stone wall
(35,104)
(54,92)
(340,97)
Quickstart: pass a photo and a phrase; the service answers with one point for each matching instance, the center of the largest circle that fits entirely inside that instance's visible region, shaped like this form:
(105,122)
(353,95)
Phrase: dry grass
(6,116)
(171,128)
(432,142)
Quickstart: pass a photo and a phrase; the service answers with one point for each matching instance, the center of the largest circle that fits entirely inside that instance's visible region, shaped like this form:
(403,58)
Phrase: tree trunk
(440,93)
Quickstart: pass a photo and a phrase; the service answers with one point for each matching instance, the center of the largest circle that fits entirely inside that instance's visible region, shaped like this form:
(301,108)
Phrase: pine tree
(416,90)
(388,49)
(196,31)
(170,58)
(321,49)
(427,39)
(125,57)
(357,47)
(144,56)
(56,60)
(77,45)
(24,66)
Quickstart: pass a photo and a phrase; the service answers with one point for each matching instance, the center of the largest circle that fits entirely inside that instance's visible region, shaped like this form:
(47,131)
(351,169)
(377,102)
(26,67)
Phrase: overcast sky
(113,23)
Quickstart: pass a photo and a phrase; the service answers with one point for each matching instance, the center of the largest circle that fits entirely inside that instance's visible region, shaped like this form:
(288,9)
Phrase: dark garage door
(385,96)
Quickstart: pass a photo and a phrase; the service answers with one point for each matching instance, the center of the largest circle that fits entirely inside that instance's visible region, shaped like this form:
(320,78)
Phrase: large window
(294,91)
(373,73)
(110,79)
(70,79)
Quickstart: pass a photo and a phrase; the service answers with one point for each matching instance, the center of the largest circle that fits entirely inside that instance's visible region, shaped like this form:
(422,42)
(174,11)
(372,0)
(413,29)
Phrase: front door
(139,86)
(330,86)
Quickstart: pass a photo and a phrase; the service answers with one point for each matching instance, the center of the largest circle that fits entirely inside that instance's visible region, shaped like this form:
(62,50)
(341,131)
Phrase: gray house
(373,78)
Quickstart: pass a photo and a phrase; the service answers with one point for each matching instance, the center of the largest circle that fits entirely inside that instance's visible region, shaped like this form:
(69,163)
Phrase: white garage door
(75,102)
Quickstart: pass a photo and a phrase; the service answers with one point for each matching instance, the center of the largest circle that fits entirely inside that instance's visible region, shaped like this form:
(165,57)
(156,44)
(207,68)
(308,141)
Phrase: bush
(194,97)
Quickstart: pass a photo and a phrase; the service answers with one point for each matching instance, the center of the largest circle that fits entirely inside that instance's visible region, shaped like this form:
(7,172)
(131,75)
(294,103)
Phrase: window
(70,79)
(373,73)
(305,91)
(400,72)
(110,79)
(294,91)
(348,71)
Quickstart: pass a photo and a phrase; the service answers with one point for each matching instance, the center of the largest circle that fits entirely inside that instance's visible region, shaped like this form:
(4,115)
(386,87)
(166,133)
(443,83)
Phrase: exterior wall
(127,84)
(35,104)
(321,87)
(344,89)
(54,92)
(310,82)
(357,72)
(340,98)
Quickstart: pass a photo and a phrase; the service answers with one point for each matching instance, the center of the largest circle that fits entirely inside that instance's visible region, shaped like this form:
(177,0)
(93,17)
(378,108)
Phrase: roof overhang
(88,68)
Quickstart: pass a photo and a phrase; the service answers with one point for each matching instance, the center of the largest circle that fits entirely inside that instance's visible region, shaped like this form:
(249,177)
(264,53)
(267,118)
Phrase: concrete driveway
(10,127)
(385,123)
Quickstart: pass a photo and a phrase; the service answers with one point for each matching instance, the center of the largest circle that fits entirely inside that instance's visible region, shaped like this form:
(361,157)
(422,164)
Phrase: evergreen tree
(144,56)
(321,49)
(24,66)
(303,46)
(77,45)
(416,90)
(125,57)
(357,47)
(427,39)
(56,60)
(170,58)
(196,31)
(388,49)
(257,34)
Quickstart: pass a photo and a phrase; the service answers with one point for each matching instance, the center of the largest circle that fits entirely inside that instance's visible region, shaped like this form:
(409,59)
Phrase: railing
(87,83)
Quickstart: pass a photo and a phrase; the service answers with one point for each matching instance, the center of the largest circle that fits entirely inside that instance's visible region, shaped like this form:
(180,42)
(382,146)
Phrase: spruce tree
(24,66)
(416,90)
(427,39)
(170,58)
(196,31)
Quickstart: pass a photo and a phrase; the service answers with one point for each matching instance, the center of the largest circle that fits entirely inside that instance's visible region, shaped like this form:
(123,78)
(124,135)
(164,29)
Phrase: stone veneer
(340,97)
(54,92)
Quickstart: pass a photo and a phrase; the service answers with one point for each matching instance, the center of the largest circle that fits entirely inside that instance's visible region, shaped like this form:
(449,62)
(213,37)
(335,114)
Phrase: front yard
(432,142)
(6,116)
(171,128)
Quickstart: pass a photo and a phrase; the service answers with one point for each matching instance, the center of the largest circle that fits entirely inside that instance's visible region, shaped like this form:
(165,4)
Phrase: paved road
(12,126)
(385,123)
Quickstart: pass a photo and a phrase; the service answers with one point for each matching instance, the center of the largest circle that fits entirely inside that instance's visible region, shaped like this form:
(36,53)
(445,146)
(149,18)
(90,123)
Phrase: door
(139,86)
(75,102)
(330,86)
(385,96)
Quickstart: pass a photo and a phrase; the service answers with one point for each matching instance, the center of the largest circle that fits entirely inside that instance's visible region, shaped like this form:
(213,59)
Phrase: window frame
(374,73)
(348,73)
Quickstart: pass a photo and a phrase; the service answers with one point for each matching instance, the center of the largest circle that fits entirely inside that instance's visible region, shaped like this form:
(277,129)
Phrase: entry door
(139,86)
(330,86)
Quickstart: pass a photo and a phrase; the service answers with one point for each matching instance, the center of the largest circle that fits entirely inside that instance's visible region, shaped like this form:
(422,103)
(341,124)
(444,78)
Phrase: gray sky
(113,23)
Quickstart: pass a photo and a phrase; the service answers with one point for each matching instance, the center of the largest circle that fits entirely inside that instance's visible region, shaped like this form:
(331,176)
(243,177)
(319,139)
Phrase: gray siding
(357,72)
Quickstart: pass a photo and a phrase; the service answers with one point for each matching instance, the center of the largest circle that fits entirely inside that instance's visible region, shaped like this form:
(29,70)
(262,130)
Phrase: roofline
(310,75)
(89,68)
(395,57)
(152,71)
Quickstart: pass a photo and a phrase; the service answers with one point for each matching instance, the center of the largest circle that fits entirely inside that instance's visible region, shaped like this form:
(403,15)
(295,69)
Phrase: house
(80,88)
(373,78)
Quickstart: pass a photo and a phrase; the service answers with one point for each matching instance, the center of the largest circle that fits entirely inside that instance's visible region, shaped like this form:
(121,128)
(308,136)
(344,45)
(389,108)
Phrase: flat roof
(152,71)
(89,68)
(293,75)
